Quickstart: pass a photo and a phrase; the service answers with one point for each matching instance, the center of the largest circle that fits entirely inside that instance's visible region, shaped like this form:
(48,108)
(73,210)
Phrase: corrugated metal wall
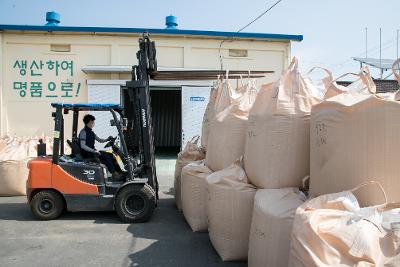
(167,117)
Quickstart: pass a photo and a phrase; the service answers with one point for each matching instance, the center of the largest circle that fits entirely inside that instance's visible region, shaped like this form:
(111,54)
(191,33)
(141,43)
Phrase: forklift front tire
(135,203)
(47,205)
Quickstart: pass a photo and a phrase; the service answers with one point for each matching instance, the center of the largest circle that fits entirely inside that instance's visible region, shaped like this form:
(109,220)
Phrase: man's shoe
(116,176)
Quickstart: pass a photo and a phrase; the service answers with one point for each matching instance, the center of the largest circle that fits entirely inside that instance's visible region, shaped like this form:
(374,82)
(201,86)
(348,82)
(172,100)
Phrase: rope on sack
(195,139)
(373,183)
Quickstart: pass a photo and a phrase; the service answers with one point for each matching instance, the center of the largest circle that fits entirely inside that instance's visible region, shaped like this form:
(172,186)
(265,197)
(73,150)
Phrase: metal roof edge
(152,31)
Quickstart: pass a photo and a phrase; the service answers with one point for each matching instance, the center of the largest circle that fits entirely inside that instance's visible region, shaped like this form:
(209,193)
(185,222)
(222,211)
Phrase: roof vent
(52,18)
(171,22)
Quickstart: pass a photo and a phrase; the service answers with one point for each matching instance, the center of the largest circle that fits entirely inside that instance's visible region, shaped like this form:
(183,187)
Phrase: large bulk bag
(332,230)
(278,140)
(271,226)
(194,194)
(191,152)
(355,138)
(221,96)
(227,135)
(13,168)
(230,205)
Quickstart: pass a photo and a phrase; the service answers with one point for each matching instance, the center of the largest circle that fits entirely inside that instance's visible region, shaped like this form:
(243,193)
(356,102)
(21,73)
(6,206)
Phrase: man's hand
(97,152)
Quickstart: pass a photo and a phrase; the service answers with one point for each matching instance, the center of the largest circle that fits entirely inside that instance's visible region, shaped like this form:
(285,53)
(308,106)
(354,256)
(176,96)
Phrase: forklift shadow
(17,211)
(99,217)
(167,240)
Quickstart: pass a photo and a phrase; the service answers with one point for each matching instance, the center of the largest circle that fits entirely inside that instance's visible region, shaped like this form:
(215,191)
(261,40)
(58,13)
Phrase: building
(54,63)
(382,86)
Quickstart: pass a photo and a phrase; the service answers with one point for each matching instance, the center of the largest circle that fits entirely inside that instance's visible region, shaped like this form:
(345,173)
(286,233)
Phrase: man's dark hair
(87,118)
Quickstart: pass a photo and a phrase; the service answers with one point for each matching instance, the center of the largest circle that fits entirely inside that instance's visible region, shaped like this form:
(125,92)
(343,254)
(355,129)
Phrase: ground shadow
(174,243)
(15,211)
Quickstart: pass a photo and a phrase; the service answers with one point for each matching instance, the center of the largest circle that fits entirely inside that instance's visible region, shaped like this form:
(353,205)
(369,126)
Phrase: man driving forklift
(87,139)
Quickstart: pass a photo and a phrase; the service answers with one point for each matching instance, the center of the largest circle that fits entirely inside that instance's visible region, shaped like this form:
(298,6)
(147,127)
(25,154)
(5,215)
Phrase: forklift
(61,182)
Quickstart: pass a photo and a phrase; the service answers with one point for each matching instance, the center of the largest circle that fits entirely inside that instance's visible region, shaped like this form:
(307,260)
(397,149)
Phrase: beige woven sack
(194,195)
(332,230)
(271,226)
(354,138)
(191,152)
(230,206)
(227,136)
(277,146)
(13,168)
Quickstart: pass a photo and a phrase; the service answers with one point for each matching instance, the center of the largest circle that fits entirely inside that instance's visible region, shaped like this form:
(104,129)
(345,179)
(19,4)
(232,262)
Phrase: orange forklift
(60,182)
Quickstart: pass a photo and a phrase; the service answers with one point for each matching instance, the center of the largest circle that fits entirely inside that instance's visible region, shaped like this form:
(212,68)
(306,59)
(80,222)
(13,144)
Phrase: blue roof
(152,31)
(89,106)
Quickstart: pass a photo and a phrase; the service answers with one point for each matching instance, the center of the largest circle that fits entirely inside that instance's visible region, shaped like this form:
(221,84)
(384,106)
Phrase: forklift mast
(137,110)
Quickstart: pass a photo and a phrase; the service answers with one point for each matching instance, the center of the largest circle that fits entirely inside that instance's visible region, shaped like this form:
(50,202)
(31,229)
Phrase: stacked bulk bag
(332,230)
(230,205)
(228,129)
(15,152)
(194,194)
(13,168)
(277,145)
(355,138)
(191,152)
(221,96)
(271,226)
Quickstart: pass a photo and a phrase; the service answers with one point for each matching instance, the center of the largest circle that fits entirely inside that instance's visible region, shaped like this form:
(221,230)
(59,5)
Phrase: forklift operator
(87,140)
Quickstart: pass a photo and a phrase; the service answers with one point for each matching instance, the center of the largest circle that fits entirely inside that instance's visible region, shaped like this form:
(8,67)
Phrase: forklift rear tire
(135,203)
(47,205)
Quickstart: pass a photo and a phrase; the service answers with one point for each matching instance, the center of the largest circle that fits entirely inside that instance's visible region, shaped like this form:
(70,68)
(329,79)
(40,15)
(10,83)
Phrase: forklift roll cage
(61,109)
(138,140)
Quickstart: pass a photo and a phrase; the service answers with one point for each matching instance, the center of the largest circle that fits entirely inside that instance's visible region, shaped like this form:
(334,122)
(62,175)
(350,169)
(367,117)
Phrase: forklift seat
(75,149)
(76,152)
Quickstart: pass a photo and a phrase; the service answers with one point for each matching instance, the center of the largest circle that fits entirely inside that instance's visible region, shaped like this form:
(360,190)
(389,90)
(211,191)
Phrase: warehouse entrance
(167,118)
(177,110)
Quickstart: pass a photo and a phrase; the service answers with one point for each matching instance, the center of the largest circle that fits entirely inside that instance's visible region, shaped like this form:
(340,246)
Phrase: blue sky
(334,30)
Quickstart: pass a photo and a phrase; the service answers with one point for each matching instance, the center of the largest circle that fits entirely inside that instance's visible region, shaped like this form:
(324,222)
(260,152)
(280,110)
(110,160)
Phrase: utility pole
(397,46)
(380,51)
(366,42)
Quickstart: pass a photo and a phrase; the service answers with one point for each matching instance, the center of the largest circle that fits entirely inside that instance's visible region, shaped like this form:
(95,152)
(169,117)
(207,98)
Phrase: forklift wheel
(135,203)
(47,205)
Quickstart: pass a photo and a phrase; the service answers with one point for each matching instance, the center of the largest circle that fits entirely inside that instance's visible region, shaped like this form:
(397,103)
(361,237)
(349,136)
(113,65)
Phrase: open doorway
(167,119)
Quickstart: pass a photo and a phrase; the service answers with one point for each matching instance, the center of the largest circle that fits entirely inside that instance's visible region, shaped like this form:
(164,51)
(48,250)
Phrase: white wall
(32,115)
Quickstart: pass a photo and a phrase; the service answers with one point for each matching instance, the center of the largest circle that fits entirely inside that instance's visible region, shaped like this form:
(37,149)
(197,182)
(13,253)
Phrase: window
(237,53)
(60,48)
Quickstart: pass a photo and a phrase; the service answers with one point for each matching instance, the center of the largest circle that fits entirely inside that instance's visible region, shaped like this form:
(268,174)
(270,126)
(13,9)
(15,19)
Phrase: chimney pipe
(52,18)
(171,22)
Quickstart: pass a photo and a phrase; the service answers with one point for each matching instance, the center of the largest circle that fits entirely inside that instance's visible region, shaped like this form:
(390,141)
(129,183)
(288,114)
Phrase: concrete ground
(100,239)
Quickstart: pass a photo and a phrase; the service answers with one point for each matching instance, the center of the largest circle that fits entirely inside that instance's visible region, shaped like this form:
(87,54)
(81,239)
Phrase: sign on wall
(194,103)
(30,83)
